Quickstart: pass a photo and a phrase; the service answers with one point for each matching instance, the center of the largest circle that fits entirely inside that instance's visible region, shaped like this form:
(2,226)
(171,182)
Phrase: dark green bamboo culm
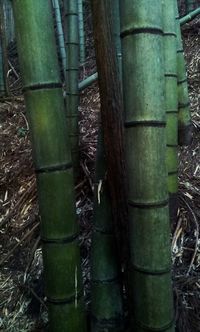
(106,304)
(51,151)
(171,103)
(190,5)
(72,73)
(60,35)
(9,21)
(2,78)
(116,32)
(81,32)
(151,299)
(184,116)
(4,52)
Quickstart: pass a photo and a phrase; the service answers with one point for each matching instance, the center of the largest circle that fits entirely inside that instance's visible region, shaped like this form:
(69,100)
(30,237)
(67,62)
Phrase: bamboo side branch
(151,299)
(189,17)
(52,159)
(72,72)
(171,103)
(184,116)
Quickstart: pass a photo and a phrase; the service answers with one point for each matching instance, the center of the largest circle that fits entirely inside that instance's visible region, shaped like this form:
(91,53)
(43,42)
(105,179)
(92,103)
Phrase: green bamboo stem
(60,34)
(2,81)
(106,300)
(4,53)
(190,5)
(184,116)
(9,21)
(171,103)
(81,31)
(51,152)
(189,17)
(72,93)
(151,300)
(116,31)
(87,81)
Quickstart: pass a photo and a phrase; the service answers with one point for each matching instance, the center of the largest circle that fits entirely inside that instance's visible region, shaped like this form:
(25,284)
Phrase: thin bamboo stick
(72,72)
(151,300)
(51,151)
(60,34)
(184,116)
(81,31)
(171,103)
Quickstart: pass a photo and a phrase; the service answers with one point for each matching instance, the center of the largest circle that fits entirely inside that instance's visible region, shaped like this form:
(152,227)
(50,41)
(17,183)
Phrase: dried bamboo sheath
(45,110)
(151,300)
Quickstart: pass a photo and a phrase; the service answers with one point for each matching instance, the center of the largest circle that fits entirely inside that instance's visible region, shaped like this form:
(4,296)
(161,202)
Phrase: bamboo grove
(144,117)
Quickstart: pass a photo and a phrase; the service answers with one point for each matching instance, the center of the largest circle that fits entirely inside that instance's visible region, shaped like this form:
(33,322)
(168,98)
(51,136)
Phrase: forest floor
(22,302)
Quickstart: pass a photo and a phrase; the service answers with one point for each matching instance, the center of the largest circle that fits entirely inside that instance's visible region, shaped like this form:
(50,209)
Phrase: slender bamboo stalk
(116,31)
(111,117)
(81,31)
(9,21)
(4,52)
(190,5)
(2,81)
(72,93)
(60,34)
(88,81)
(45,108)
(184,116)
(151,300)
(187,18)
(171,103)
(106,304)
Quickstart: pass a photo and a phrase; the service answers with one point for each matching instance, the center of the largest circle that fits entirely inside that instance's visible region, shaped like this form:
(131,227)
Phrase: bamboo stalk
(2,81)
(60,34)
(116,32)
(9,21)
(184,116)
(45,108)
(151,300)
(171,103)
(4,53)
(87,81)
(72,93)
(106,292)
(81,31)
(187,18)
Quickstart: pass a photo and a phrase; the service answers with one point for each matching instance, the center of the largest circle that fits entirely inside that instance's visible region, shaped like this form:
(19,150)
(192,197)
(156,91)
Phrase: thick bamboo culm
(60,35)
(81,32)
(72,74)
(106,301)
(52,158)
(151,299)
(190,5)
(184,116)
(171,103)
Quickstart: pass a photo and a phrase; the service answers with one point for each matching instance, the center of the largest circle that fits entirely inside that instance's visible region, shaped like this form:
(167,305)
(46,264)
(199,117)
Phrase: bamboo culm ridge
(52,158)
